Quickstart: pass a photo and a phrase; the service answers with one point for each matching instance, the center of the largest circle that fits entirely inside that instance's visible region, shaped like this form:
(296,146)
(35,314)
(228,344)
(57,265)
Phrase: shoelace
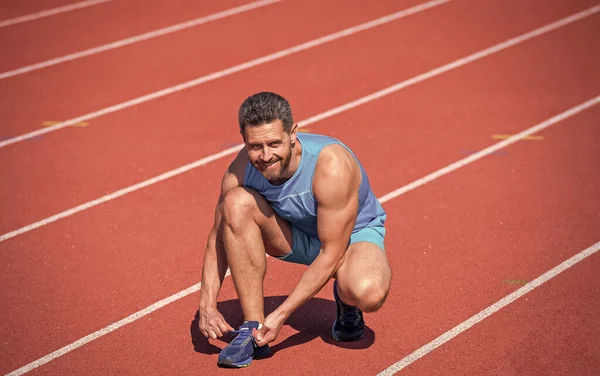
(349,314)
(241,336)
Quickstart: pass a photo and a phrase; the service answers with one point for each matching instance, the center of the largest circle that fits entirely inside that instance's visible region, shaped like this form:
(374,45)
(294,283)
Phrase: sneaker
(242,349)
(349,324)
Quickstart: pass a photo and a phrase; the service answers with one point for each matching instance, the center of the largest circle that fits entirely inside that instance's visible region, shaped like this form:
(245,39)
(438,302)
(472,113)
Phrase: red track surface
(456,245)
(26,7)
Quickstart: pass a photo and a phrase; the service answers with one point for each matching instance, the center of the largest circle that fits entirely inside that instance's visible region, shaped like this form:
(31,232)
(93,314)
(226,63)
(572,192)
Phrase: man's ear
(294,134)
(243,135)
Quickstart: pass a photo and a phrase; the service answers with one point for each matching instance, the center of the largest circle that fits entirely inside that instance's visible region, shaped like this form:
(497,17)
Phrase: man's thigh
(365,262)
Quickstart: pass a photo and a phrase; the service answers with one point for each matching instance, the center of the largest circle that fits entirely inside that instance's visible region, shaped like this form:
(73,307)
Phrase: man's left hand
(270,329)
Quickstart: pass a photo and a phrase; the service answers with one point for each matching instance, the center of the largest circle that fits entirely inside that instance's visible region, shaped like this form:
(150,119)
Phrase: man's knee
(239,206)
(371,294)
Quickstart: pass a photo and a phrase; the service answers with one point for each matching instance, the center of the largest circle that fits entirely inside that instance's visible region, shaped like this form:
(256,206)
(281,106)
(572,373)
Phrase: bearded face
(269,149)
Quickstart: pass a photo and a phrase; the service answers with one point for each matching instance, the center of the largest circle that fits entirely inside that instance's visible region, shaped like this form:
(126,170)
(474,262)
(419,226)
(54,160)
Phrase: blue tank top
(294,199)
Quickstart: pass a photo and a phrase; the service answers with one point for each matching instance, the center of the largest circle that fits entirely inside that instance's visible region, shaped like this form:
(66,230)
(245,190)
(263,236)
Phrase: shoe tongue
(249,325)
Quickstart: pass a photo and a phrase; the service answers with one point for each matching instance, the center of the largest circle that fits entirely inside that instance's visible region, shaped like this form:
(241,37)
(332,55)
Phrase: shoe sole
(242,364)
(260,352)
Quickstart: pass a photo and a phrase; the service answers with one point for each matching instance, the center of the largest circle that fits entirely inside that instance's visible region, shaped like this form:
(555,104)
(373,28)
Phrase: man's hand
(269,330)
(212,324)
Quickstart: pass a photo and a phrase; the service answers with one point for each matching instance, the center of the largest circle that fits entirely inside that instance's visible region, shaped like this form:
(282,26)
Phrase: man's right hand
(212,324)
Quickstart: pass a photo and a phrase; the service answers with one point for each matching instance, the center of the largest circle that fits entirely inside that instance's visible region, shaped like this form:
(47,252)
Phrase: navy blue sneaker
(349,324)
(240,352)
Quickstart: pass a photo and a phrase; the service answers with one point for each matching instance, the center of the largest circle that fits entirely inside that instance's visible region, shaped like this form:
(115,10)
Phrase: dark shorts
(305,248)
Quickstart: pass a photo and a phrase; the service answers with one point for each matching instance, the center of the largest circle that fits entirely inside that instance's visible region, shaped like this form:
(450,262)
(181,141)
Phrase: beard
(275,169)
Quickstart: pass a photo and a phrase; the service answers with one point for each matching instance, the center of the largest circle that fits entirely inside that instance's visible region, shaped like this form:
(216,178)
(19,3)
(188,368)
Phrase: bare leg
(365,276)
(250,229)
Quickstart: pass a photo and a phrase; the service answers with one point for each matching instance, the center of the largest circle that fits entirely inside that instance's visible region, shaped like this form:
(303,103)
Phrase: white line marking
(461,163)
(311,120)
(51,12)
(228,71)
(121,192)
(456,64)
(111,328)
(127,320)
(490,310)
(491,149)
(138,38)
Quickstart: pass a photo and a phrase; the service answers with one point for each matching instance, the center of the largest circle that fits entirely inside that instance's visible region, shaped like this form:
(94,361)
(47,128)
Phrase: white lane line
(311,120)
(110,328)
(491,149)
(51,12)
(458,63)
(192,289)
(121,192)
(228,71)
(490,310)
(102,332)
(138,38)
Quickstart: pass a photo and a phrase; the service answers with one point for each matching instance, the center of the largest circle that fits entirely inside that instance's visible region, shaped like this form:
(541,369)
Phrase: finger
(204,333)
(201,329)
(212,334)
(259,337)
(261,340)
(224,327)
(214,326)
(258,342)
(217,331)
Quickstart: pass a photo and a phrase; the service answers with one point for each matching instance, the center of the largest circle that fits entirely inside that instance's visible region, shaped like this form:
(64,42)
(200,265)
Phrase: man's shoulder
(335,156)
(336,165)
(234,174)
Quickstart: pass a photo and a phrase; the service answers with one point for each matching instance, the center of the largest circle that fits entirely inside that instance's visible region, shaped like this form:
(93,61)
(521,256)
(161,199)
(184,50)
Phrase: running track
(458,243)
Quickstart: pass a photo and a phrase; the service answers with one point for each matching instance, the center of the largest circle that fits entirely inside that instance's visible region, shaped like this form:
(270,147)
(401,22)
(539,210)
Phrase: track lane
(95,157)
(25,8)
(479,224)
(121,255)
(153,132)
(159,63)
(33,42)
(551,329)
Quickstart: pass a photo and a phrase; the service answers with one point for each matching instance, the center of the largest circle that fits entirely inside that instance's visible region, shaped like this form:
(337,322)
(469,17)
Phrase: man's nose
(267,154)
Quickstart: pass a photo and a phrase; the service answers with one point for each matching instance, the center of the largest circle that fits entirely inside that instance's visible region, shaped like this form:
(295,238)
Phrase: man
(302,198)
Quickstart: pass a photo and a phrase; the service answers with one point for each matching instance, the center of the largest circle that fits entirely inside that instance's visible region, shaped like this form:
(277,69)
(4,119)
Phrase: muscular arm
(215,261)
(335,186)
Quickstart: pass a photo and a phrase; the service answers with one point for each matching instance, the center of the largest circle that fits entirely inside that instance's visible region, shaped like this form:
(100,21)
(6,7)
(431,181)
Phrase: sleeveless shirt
(294,199)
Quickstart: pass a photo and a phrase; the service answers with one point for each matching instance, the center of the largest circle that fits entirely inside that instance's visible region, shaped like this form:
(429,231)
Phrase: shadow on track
(314,319)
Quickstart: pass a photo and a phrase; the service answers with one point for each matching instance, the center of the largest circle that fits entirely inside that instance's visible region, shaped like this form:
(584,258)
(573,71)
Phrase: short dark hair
(264,108)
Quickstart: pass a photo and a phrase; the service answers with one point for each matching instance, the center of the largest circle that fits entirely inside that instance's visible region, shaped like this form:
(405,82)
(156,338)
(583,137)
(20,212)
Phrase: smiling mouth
(266,166)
